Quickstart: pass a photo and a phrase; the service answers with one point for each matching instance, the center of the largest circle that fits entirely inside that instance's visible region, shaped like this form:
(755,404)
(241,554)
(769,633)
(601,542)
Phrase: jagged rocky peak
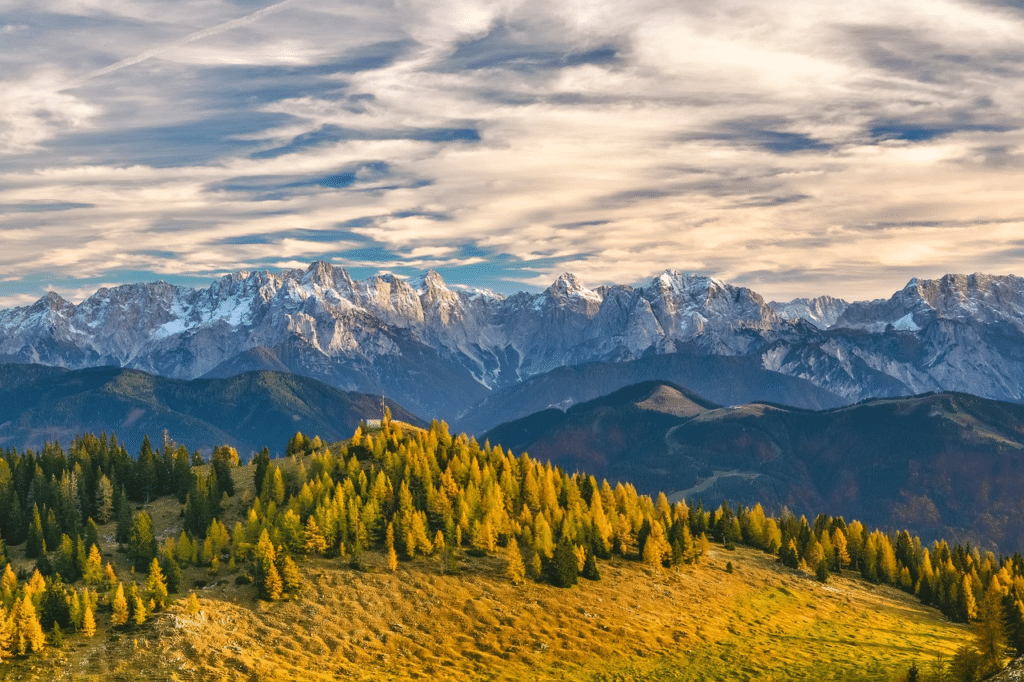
(328,277)
(687,282)
(51,301)
(702,299)
(979,298)
(568,284)
(821,311)
(430,281)
(952,291)
(320,273)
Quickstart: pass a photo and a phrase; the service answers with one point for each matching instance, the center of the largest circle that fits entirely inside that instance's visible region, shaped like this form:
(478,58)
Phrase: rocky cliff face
(822,311)
(440,351)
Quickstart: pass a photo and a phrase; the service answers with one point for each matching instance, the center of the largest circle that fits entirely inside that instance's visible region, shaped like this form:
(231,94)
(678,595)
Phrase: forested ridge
(402,492)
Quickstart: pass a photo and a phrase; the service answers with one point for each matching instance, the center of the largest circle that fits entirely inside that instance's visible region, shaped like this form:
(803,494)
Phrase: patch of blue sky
(277,187)
(373,254)
(767,201)
(511,47)
(42,207)
(330,134)
(915,132)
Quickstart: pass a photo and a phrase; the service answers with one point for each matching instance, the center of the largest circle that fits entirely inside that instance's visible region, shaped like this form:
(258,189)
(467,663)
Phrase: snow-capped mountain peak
(438,349)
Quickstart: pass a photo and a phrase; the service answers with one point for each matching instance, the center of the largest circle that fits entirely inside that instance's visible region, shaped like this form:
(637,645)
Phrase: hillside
(942,465)
(248,411)
(699,622)
(721,379)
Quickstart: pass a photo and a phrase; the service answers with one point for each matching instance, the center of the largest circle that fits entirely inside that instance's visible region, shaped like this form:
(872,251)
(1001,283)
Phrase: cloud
(795,147)
(190,38)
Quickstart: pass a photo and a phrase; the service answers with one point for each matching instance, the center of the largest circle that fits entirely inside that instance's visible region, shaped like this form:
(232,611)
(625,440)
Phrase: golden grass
(762,622)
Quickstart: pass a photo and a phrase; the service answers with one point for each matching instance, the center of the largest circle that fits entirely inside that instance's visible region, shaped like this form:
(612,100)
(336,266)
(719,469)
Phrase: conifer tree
(124,518)
(6,633)
(65,565)
(156,585)
(966,664)
(416,535)
(822,572)
(54,607)
(788,555)
(989,631)
(142,544)
(35,586)
(36,543)
(655,548)
(104,500)
(92,534)
(28,634)
(81,557)
(77,609)
(262,462)
(291,579)
(273,487)
(183,549)
(839,547)
(57,637)
(88,622)
(192,604)
(590,570)
(389,546)
(109,576)
(8,586)
(967,606)
(119,604)
(171,570)
(515,570)
(225,458)
(268,580)
(564,568)
(315,541)
(139,613)
(51,529)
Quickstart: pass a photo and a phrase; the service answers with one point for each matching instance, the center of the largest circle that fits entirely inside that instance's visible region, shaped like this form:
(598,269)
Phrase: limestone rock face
(821,311)
(439,351)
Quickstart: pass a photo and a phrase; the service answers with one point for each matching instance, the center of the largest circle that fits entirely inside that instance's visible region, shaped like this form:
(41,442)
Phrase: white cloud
(35,111)
(742,139)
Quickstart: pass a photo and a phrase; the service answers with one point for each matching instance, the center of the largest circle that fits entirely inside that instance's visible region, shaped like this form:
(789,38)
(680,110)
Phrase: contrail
(191,38)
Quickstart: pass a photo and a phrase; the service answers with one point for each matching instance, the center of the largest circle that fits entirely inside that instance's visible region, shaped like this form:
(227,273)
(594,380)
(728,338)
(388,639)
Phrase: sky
(798,148)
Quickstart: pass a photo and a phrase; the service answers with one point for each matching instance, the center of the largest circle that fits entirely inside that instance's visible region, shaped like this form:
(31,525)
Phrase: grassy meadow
(760,622)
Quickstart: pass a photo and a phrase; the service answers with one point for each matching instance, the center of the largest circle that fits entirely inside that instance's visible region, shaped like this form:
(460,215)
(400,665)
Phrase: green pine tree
(36,542)
(563,569)
(590,571)
(142,545)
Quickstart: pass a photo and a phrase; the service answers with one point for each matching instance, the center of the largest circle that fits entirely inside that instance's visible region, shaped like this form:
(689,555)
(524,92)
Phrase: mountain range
(442,352)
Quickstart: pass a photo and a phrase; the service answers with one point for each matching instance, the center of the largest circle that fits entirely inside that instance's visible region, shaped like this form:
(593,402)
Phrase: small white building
(373,423)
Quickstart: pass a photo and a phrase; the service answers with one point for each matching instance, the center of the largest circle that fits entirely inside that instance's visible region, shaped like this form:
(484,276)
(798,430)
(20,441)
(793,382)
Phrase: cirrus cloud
(793,147)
